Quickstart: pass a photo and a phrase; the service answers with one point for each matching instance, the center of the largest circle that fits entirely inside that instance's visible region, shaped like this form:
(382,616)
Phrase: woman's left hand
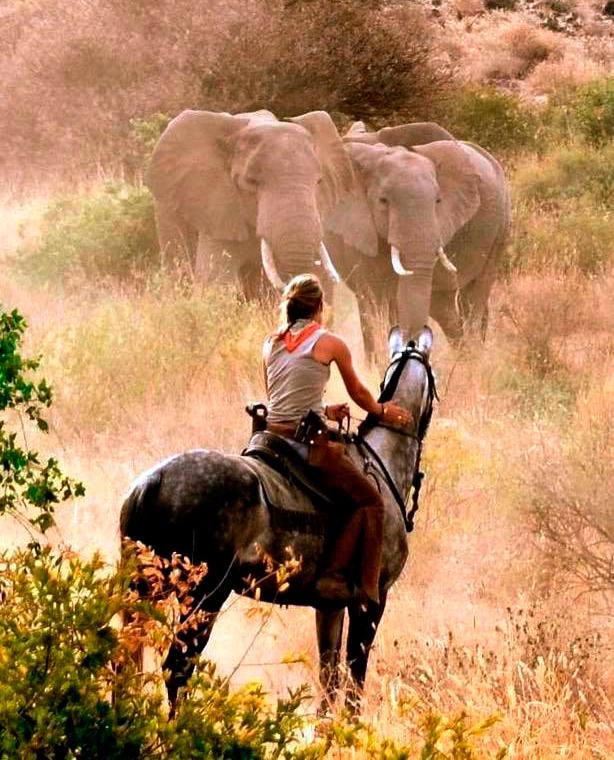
(337,412)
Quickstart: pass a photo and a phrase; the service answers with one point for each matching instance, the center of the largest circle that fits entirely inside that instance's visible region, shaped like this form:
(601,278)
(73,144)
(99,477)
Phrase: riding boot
(373,522)
(335,583)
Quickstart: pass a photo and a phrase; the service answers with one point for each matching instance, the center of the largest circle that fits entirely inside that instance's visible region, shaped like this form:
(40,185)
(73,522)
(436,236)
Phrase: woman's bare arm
(332,347)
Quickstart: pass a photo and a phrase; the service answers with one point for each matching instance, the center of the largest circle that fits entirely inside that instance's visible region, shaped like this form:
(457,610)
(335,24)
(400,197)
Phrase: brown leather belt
(285,429)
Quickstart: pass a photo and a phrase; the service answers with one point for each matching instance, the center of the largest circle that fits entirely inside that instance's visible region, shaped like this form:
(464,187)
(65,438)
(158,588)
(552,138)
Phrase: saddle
(295,500)
(274,451)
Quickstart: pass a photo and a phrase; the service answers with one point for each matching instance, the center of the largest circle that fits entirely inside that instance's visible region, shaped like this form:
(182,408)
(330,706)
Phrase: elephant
(417,192)
(245,189)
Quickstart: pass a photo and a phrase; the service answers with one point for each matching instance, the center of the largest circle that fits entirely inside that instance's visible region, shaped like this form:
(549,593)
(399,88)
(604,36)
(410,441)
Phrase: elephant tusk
(457,308)
(328,264)
(396,263)
(441,255)
(268,264)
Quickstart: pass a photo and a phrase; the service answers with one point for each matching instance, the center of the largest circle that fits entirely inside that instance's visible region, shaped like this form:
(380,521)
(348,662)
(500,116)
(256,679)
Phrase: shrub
(108,234)
(59,650)
(571,513)
(531,45)
(497,121)
(359,59)
(562,219)
(572,239)
(502,5)
(569,172)
(593,110)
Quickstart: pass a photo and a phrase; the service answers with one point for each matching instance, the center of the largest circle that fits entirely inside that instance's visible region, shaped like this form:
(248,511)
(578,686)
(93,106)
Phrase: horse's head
(423,344)
(409,380)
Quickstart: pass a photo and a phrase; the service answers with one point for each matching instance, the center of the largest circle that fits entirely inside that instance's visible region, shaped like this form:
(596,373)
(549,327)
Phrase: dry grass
(511,48)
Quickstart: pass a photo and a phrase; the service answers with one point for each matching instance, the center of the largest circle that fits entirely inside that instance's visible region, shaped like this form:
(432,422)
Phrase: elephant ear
(408,135)
(459,186)
(189,172)
(351,218)
(337,171)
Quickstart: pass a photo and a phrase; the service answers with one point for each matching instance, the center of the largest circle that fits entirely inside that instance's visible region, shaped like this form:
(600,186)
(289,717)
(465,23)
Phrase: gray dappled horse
(226,510)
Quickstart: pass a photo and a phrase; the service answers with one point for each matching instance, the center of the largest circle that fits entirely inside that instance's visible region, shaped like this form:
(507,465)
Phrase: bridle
(387,391)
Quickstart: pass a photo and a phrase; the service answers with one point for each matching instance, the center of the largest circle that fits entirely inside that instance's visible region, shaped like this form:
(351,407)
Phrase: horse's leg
(329,628)
(364,619)
(190,641)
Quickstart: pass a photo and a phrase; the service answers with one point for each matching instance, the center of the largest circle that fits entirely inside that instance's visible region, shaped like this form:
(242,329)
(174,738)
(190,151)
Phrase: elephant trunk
(291,235)
(414,300)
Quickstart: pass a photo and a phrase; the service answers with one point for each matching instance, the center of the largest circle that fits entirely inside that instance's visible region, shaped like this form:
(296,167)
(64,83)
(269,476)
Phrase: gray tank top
(296,380)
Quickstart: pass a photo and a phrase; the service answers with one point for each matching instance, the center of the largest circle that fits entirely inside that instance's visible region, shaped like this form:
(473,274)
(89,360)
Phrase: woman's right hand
(337,412)
(394,414)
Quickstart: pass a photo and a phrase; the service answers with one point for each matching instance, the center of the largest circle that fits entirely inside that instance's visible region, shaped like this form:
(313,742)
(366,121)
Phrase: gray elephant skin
(247,190)
(422,230)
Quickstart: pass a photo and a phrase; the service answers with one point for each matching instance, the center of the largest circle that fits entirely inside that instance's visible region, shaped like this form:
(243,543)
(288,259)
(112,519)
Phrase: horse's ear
(395,341)
(424,342)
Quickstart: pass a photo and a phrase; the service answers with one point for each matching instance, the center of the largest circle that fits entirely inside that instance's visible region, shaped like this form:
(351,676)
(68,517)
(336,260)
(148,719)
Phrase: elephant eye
(438,200)
(383,201)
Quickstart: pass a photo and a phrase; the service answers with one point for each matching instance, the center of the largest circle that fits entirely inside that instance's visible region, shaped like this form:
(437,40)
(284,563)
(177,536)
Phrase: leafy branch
(26,483)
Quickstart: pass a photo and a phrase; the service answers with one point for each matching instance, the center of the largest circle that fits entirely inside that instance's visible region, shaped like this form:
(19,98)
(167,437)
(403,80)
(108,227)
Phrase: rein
(387,390)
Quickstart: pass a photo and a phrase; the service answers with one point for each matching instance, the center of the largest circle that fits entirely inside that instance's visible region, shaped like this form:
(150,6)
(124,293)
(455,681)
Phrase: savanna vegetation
(497,641)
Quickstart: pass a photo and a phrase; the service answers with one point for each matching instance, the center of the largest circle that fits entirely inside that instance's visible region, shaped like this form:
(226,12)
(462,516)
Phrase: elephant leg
(444,310)
(329,629)
(194,632)
(175,236)
(376,304)
(253,283)
(364,619)
(474,303)
(368,321)
(210,263)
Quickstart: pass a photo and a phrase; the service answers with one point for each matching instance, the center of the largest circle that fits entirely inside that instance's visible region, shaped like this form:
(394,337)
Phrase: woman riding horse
(297,361)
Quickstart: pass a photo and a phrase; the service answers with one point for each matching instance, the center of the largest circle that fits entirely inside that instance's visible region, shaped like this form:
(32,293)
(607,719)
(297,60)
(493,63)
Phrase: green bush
(575,237)
(570,172)
(562,211)
(59,649)
(592,111)
(497,121)
(147,131)
(108,234)
(62,656)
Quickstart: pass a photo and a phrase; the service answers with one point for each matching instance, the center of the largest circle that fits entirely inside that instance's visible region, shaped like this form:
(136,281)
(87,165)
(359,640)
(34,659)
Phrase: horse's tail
(133,527)
(132,520)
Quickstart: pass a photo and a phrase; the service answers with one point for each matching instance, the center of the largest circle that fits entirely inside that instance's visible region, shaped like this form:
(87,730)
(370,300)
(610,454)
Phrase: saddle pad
(290,508)
(283,459)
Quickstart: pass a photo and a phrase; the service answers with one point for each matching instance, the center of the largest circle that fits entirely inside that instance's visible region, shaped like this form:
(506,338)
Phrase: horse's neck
(397,453)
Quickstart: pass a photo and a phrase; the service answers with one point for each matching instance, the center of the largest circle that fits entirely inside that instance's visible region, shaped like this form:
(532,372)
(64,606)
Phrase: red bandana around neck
(292,342)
